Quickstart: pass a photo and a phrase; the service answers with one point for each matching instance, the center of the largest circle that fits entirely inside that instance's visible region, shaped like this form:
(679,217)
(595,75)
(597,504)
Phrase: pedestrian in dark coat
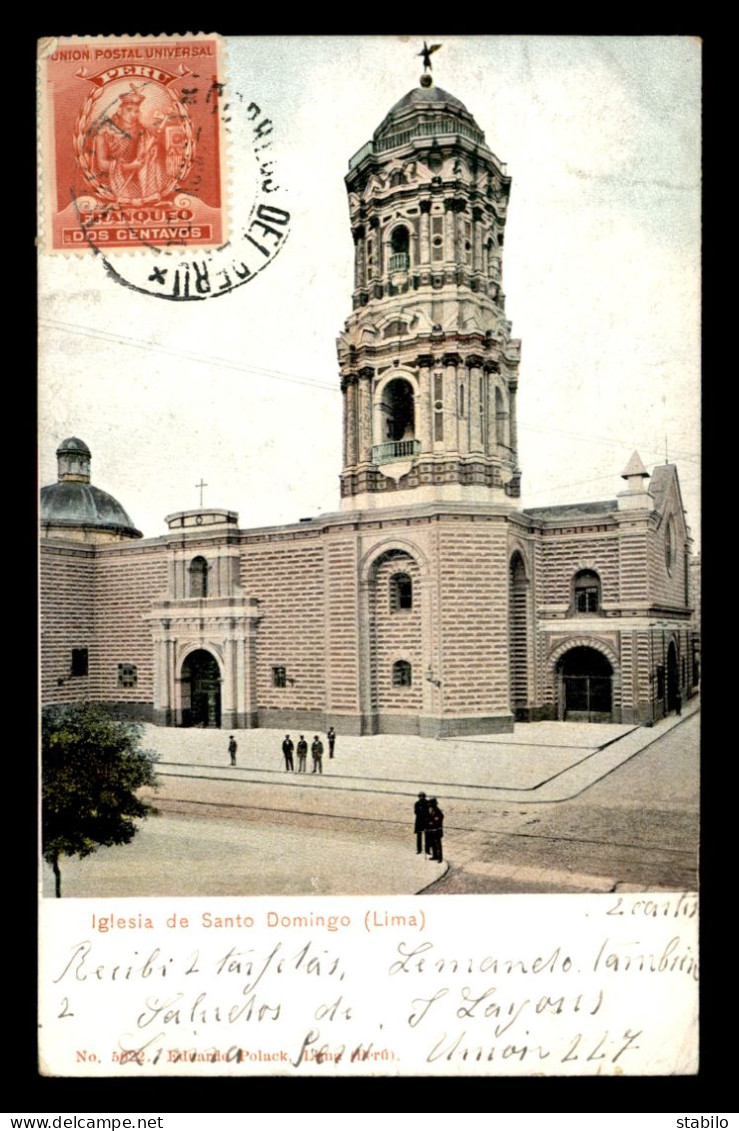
(302,754)
(420,812)
(331,741)
(317,752)
(232,748)
(435,830)
(287,750)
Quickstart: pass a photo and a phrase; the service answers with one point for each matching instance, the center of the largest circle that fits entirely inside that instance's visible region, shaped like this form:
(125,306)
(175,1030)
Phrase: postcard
(370,555)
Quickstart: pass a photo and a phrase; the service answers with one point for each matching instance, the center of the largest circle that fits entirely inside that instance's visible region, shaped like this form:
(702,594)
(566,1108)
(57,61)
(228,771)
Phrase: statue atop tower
(429,371)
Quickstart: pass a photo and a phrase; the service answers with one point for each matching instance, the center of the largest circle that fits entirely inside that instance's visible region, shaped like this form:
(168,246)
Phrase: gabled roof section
(665,490)
(570,512)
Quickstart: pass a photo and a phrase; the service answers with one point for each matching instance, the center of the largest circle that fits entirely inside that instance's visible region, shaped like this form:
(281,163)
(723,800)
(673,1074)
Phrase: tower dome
(428,106)
(73,508)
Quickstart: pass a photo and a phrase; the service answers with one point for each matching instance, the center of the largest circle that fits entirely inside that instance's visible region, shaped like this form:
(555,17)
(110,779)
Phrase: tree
(92,765)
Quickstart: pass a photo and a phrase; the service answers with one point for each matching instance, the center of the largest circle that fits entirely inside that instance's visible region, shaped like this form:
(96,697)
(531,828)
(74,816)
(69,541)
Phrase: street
(627,820)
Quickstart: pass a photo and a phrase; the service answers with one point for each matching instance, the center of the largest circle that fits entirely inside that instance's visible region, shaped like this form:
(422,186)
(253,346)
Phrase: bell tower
(429,371)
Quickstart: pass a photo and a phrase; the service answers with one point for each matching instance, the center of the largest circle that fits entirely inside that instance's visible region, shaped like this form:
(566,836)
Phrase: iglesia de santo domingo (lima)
(429,603)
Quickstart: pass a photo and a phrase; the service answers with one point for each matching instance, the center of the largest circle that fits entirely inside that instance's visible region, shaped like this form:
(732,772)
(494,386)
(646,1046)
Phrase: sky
(601,274)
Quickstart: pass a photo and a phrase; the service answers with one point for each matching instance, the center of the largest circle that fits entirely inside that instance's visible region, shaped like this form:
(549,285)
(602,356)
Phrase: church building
(429,603)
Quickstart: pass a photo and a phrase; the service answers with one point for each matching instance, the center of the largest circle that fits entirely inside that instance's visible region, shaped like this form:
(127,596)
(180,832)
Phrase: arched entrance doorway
(672,677)
(201,690)
(585,679)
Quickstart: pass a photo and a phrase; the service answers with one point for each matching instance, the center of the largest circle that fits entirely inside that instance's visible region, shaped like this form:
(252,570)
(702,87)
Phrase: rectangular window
(587,600)
(127,675)
(79,661)
(279,677)
(660,682)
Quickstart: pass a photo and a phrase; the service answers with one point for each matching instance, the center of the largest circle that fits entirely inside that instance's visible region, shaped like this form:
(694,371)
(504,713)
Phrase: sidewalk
(539,762)
(262,831)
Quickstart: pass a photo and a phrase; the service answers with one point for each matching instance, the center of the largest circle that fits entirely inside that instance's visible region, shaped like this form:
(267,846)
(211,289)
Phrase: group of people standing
(429,827)
(288,748)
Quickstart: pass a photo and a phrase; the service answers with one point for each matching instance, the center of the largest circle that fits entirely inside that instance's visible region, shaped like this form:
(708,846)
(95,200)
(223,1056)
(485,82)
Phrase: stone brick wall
(633,573)
(286,573)
(472,565)
(66,609)
(127,580)
(342,642)
(667,587)
(561,556)
(397,636)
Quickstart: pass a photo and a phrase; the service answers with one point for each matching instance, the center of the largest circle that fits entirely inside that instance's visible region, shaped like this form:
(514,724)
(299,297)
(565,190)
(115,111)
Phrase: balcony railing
(395,449)
(439,127)
(399,262)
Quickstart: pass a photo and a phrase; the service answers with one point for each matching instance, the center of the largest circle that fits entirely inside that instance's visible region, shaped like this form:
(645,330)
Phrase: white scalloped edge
(45,151)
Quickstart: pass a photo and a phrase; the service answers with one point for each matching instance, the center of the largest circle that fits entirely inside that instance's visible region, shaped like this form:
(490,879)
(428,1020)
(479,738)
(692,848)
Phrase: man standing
(302,754)
(232,748)
(435,830)
(331,741)
(317,752)
(287,750)
(420,811)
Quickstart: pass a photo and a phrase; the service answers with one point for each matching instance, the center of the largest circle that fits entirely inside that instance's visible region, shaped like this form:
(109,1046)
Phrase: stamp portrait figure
(130,157)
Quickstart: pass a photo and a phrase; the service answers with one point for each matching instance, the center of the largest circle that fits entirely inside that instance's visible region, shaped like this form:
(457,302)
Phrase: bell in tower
(429,371)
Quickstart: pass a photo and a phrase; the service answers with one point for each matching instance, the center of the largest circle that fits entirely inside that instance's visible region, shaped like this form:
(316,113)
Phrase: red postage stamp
(132,149)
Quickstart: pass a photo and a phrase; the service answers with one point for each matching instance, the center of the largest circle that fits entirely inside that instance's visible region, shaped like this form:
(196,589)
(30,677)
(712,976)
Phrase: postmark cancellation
(132,150)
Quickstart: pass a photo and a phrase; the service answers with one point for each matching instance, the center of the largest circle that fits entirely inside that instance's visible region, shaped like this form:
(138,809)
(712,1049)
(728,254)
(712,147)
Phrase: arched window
(402,674)
(670,544)
(399,249)
(401,592)
(397,411)
(587,591)
(198,577)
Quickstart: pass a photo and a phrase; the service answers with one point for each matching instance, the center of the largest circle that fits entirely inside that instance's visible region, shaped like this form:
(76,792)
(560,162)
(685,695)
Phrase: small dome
(72,444)
(81,504)
(74,508)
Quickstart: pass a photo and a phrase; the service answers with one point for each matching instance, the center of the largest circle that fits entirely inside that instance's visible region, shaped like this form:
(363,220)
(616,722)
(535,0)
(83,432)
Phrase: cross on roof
(201,484)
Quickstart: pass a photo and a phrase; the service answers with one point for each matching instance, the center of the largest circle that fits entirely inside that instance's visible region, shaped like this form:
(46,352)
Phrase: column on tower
(449,230)
(501,422)
(477,403)
(477,265)
(349,391)
(378,259)
(424,413)
(364,414)
(450,361)
(494,265)
(489,388)
(463,408)
(358,237)
(512,421)
(424,251)
(460,208)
